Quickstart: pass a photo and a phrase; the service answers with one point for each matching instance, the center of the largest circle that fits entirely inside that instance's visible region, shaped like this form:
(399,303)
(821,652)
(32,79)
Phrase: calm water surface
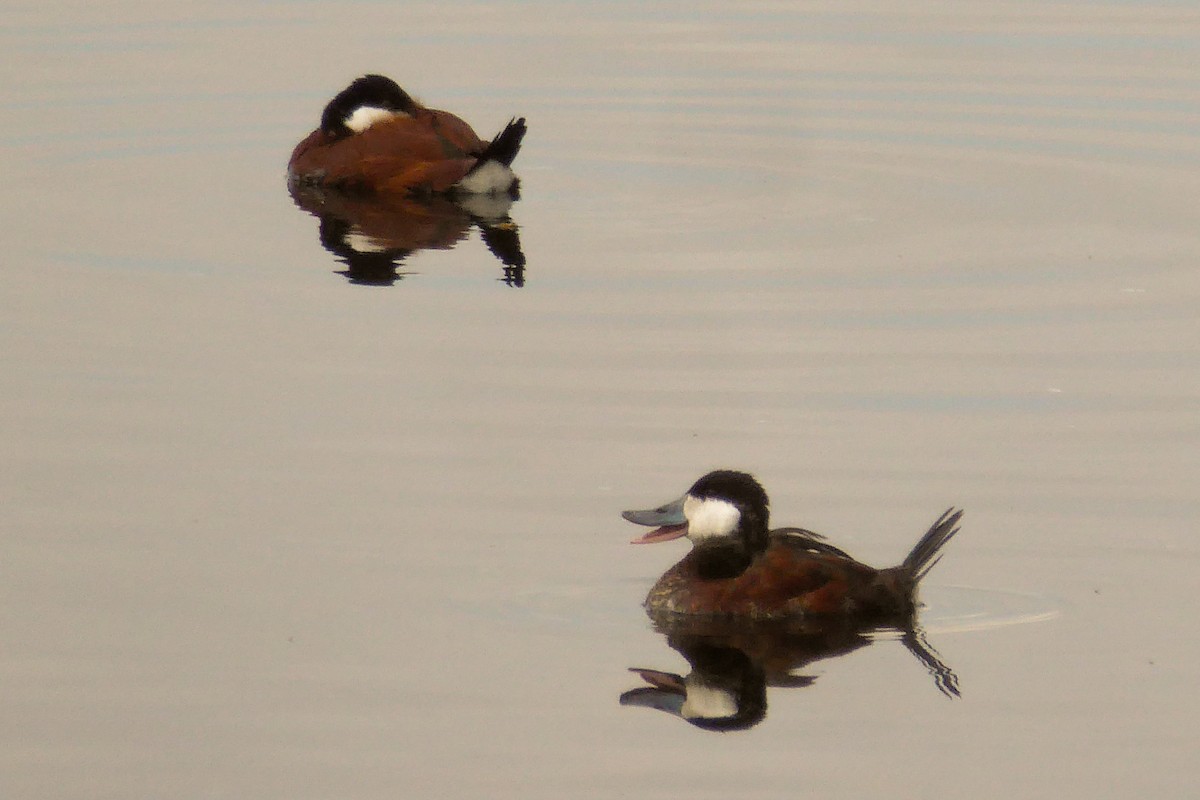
(268,533)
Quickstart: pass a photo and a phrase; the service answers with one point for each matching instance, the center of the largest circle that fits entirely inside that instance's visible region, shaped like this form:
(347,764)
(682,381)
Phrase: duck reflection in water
(747,599)
(734,661)
(373,236)
(388,176)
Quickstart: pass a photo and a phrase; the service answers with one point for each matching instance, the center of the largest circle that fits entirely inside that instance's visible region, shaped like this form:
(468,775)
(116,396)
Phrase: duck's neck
(729,556)
(718,561)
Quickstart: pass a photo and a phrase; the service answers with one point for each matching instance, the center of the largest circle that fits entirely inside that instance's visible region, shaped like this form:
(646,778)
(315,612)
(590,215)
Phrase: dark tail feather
(927,552)
(506,145)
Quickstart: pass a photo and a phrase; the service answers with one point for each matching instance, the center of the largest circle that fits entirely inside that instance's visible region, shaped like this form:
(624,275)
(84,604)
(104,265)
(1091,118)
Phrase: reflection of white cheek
(708,702)
(710,518)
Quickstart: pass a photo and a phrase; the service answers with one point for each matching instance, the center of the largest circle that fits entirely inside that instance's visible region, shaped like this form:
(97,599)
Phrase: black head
(369,91)
(746,494)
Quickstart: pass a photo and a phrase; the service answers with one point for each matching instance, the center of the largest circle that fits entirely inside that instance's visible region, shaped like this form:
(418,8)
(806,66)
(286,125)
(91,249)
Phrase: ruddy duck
(374,137)
(739,568)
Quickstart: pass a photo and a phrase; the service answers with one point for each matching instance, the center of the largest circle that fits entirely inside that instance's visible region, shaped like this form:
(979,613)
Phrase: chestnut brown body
(738,567)
(430,151)
(375,138)
(786,579)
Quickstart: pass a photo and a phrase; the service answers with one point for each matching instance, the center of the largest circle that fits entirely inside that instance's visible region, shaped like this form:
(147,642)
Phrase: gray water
(271,534)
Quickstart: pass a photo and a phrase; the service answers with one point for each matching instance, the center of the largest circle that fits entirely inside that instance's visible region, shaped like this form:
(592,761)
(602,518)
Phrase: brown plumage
(375,138)
(748,571)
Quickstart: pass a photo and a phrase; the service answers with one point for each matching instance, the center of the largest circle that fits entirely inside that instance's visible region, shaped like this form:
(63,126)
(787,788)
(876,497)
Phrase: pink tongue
(664,534)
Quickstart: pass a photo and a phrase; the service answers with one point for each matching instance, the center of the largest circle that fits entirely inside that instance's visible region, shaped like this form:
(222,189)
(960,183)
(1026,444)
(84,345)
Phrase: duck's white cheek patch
(709,518)
(366,116)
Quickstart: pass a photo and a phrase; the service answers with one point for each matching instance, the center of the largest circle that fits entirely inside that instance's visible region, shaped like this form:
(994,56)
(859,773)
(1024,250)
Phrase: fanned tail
(504,148)
(927,551)
(901,583)
(491,173)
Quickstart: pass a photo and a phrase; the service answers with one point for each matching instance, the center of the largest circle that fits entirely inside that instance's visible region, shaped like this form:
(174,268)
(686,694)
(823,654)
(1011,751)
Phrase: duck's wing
(453,130)
(809,541)
(394,156)
(802,532)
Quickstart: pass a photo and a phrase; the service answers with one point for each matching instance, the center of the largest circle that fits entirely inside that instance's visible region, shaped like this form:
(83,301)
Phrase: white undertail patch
(710,518)
(366,116)
(491,207)
(488,178)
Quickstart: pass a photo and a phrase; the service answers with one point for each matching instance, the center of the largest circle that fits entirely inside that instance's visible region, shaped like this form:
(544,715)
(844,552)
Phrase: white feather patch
(489,177)
(710,518)
(366,116)
(708,702)
(359,242)
(491,207)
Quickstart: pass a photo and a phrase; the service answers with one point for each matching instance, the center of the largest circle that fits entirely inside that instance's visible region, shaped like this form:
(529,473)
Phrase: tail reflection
(733,663)
(943,677)
(373,235)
